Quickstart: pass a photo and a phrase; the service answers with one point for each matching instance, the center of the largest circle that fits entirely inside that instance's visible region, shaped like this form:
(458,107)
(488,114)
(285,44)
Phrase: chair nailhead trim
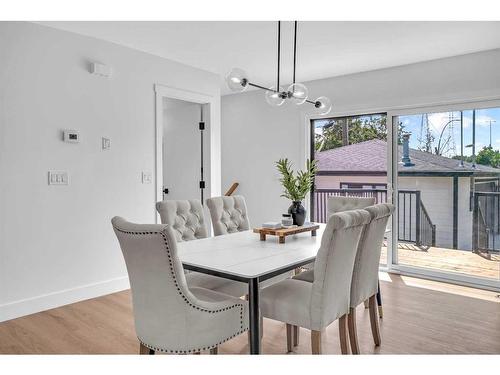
(188,302)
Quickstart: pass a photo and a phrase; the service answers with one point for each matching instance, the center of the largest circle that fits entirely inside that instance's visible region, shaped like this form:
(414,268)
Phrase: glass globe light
(298,93)
(274,98)
(237,80)
(323,105)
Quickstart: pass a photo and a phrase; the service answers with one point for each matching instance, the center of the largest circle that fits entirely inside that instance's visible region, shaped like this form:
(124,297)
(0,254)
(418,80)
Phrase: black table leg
(379,302)
(254,315)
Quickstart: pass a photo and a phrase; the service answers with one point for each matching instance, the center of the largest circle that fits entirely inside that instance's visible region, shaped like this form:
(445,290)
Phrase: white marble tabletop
(244,255)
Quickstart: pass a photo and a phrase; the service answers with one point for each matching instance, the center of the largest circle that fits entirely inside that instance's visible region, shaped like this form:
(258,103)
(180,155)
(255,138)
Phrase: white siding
(437,197)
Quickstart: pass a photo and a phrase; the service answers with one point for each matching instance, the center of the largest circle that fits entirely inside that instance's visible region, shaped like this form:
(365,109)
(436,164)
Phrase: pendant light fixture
(238,81)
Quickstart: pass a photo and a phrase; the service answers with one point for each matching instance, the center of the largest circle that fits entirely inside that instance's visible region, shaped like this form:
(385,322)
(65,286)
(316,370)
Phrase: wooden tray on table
(283,232)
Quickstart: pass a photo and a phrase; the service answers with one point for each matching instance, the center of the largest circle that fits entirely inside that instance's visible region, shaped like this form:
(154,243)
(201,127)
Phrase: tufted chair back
(229,214)
(339,204)
(334,265)
(365,274)
(185,217)
(168,316)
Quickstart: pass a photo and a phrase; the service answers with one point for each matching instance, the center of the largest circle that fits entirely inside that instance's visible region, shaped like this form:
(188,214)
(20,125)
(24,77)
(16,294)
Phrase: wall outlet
(147,177)
(106,143)
(58,178)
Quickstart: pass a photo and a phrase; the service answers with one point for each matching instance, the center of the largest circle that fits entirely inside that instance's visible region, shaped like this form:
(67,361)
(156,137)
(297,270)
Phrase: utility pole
(490,121)
(473,138)
(461,139)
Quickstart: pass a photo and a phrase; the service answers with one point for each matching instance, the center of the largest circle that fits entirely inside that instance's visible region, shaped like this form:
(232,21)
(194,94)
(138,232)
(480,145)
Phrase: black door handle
(165,191)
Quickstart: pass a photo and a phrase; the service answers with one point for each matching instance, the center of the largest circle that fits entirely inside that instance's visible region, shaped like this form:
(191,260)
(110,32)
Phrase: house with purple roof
(436,194)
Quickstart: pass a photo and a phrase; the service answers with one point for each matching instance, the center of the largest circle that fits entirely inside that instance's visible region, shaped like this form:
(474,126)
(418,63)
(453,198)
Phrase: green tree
(488,156)
(359,130)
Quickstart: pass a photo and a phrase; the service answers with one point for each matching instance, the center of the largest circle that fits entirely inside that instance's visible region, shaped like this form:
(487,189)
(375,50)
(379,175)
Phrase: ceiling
(325,49)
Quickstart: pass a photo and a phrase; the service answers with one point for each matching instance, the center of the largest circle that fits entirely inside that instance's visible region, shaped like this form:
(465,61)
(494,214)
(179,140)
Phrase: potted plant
(295,187)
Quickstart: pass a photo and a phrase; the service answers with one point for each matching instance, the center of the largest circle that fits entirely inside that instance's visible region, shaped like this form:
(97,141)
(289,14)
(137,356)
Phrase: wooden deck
(449,260)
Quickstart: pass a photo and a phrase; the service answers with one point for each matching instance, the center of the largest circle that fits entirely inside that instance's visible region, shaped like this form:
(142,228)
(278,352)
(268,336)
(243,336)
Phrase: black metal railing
(414,225)
(486,222)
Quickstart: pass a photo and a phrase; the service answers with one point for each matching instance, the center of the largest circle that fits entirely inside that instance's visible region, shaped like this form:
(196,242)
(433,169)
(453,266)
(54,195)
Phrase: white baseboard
(48,301)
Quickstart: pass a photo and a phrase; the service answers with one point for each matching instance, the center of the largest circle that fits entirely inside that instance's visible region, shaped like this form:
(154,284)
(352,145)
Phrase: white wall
(56,242)
(254,135)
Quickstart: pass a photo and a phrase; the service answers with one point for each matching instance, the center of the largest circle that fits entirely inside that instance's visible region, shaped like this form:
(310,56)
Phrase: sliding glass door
(446,175)
(351,153)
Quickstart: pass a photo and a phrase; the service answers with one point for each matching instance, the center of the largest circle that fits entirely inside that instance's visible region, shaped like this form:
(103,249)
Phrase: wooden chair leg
(214,350)
(145,350)
(344,345)
(296,335)
(289,338)
(353,332)
(374,320)
(261,326)
(316,342)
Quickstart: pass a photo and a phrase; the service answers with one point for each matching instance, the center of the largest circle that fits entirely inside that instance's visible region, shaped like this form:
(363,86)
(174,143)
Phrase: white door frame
(162,91)
(439,275)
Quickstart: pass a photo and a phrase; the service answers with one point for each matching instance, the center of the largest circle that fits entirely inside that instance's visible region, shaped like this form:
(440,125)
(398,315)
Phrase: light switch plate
(58,178)
(147,177)
(106,143)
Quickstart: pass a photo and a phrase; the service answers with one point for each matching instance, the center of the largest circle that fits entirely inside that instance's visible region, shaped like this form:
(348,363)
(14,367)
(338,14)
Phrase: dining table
(243,257)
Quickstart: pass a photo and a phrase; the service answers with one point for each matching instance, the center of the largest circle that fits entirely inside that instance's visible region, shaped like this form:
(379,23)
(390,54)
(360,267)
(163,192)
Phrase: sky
(438,121)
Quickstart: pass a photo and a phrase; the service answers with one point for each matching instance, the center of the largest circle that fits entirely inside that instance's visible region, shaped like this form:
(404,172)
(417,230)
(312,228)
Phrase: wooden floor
(450,260)
(421,317)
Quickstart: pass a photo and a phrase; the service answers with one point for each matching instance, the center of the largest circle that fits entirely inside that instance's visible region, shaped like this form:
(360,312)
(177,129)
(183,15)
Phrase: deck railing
(486,222)
(414,225)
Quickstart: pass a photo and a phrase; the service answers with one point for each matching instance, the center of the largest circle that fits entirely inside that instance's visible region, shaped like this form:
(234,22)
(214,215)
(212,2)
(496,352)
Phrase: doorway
(187,153)
(185,149)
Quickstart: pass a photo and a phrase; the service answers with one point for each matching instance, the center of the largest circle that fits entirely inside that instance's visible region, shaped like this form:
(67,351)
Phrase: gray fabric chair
(187,220)
(316,305)
(228,214)
(337,204)
(185,217)
(170,316)
(365,273)
(340,204)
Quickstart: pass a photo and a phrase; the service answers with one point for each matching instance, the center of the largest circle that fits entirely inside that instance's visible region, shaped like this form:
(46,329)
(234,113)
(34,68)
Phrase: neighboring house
(444,186)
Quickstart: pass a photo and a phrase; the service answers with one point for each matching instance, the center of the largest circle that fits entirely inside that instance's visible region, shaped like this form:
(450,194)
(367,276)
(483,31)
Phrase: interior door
(185,150)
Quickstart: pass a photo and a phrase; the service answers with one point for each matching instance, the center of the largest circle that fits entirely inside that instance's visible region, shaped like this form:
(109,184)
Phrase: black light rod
(268,89)
(294,50)
(311,101)
(279,54)
(260,87)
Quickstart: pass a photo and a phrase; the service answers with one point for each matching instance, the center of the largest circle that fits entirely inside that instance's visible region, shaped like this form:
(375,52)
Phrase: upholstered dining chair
(335,204)
(338,204)
(187,220)
(364,284)
(228,214)
(185,217)
(316,305)
(170,316)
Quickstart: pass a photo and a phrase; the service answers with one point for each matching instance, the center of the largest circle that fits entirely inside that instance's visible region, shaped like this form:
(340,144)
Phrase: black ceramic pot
(298,213)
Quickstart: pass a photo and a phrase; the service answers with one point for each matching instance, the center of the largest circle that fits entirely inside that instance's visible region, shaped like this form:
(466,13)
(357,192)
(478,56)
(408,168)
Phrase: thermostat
(72,136)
